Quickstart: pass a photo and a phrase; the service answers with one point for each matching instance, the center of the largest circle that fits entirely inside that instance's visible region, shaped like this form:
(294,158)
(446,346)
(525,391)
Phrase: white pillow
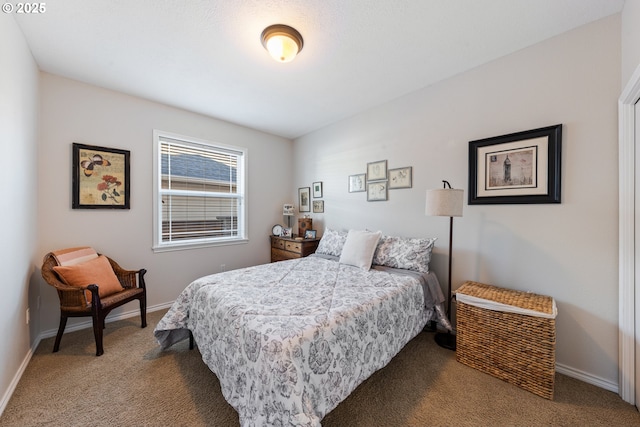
(359,248)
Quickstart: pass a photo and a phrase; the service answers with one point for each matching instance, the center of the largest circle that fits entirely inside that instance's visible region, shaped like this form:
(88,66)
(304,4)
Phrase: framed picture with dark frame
(522,167)
(317,190)
(377,171)
(100,177)
(400,177)
(310,234)
(318,206)
(304,202)
(377,191)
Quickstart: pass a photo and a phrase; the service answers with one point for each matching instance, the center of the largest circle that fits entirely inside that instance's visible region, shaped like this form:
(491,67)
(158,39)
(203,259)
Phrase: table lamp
(288,210)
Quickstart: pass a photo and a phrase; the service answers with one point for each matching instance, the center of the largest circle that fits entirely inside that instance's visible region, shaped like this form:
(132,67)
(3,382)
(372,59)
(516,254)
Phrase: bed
(290,340)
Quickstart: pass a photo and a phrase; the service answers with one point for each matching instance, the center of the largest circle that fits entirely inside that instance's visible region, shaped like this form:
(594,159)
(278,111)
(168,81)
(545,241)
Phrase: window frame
(241,184)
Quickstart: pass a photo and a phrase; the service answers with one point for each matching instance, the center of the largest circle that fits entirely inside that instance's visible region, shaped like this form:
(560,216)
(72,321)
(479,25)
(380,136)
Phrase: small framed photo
(400,177)
(357,183)
(317,190)
(310,234)
(304,199)
(287,232)
(100,177)
(318,206)
(377,191)
(522,167)
(377,171)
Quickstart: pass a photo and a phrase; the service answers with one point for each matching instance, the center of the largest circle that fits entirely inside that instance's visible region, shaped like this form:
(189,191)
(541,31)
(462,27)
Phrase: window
(199,193)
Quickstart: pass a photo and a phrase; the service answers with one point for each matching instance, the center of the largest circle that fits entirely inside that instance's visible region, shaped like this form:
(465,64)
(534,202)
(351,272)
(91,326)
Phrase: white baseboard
(111,318)
(53,332)
(587,378)
(17,376)
(560,368)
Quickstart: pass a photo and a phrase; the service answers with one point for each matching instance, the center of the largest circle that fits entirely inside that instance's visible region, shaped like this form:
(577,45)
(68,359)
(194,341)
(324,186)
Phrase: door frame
(626,239)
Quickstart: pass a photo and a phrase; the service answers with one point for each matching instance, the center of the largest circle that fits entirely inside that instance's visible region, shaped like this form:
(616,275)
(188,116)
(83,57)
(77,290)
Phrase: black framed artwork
(522,167)
(304,199)
(100,177)
(317,190)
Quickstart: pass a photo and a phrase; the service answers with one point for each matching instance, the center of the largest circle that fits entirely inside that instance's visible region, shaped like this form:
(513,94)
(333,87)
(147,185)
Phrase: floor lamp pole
(450,258)
(448,340)
(446,202)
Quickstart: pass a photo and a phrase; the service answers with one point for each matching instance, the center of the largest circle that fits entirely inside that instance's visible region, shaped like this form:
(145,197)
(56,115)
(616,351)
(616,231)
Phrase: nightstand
(283,248)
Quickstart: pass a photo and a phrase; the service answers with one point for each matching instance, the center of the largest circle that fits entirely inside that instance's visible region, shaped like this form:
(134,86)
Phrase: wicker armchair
(73,299)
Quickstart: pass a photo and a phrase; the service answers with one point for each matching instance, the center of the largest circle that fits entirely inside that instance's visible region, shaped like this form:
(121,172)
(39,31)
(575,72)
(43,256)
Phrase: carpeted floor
(136,384)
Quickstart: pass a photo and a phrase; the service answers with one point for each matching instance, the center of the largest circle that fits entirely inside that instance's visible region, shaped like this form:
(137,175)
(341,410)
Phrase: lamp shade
(444,202)
(288,209)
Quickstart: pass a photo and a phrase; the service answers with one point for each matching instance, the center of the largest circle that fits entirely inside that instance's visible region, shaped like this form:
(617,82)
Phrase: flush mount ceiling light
(282,42)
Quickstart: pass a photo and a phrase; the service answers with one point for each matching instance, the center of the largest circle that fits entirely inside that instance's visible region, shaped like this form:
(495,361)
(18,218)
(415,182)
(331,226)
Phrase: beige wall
(19,200)
(567,250)
(76,112)
(630,39)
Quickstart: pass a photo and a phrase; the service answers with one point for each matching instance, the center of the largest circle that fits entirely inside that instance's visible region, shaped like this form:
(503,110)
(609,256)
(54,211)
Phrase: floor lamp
(446,202)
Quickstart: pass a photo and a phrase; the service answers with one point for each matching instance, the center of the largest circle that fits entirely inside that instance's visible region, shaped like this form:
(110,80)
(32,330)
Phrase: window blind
(200,192)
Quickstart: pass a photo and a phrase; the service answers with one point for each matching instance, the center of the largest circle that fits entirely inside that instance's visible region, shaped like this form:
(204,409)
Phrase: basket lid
(509,300)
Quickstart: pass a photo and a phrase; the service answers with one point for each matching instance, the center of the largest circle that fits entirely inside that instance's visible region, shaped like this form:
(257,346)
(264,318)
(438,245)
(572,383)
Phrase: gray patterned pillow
(404,252)
(332,242)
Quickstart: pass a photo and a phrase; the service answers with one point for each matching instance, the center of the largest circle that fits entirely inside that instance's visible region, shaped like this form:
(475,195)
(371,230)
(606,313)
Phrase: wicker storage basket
(494,337)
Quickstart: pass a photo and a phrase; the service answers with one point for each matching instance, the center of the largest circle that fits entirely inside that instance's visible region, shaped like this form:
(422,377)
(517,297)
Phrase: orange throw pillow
(98,271)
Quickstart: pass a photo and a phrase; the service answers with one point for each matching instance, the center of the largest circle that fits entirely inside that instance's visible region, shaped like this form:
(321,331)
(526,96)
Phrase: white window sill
(169,247)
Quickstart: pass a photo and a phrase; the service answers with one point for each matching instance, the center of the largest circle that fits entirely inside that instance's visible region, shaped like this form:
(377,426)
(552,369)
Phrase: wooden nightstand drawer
(283,248)
(293,246)
(277,243)
(280,255)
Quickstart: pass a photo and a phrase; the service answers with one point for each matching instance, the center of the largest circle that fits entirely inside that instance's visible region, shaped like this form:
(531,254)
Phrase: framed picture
(318,206)
(357,183)
(100,177)
(317,190)
(377,170)
(287,232)
(310,234)
(304,199)
(521,167)
(400,177)
(377,191)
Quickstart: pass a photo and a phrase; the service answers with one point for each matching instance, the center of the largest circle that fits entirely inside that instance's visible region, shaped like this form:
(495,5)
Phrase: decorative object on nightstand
(446,202)
(288,210)
(276,230)
(284,248)
(304,224)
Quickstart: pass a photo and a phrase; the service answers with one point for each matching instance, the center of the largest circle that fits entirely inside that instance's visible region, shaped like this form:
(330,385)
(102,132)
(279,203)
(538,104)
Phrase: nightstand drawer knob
(292,246)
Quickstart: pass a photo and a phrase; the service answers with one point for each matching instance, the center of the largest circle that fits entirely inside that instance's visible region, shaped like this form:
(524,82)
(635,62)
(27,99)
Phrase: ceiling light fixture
(282,42)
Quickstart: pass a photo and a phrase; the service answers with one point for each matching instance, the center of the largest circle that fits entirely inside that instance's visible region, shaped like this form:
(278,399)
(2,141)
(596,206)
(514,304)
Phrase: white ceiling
(206,56)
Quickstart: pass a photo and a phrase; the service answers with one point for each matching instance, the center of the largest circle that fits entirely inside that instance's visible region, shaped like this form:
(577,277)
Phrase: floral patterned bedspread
(290,340)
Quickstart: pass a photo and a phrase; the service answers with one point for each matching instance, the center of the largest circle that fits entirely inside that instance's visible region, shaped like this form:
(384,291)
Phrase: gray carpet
(136,384)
